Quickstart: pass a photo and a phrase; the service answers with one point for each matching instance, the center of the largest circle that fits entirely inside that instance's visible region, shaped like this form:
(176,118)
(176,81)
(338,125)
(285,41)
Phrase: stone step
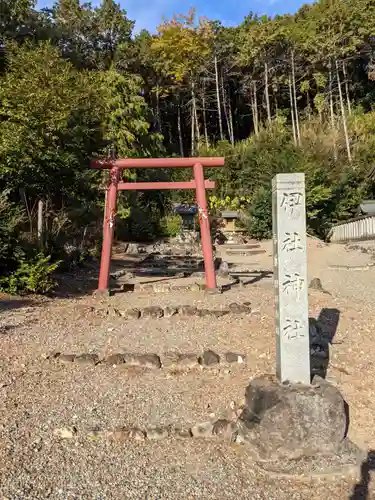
(244,252)
(239,247)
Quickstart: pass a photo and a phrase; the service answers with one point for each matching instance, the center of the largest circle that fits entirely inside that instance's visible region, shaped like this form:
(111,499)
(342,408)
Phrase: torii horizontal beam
(121,163)
(147,186)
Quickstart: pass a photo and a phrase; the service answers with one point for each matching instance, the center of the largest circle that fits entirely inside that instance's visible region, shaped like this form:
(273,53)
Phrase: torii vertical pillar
(209,267)
(108,230)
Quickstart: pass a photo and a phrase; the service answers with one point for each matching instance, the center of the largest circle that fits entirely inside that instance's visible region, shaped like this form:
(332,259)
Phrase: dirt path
(40,394)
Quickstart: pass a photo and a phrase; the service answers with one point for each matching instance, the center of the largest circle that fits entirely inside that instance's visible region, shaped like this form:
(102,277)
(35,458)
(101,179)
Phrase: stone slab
(346,460)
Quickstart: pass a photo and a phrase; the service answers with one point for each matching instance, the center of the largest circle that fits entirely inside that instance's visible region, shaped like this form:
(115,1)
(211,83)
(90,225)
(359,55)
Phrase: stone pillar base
(298,430)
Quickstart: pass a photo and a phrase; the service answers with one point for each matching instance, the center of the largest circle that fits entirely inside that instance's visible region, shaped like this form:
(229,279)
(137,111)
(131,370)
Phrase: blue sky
(149,13)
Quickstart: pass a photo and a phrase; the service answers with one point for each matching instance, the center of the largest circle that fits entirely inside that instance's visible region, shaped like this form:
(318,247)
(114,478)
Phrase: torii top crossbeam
(114,185)
(121,163)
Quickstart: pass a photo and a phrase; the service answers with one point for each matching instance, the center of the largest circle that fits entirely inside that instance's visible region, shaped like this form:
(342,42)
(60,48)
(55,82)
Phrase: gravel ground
(38,395)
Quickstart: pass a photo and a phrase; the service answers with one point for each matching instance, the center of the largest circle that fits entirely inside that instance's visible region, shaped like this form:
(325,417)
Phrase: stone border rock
(222,429)
(183,311)
(174,361)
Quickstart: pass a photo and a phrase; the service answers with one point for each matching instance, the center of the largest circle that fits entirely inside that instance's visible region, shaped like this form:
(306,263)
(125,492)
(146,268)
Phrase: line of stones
(155,312)
(171,360)
(222,428)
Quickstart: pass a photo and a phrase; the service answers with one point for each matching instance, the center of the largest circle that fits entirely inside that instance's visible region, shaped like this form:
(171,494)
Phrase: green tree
(50,123)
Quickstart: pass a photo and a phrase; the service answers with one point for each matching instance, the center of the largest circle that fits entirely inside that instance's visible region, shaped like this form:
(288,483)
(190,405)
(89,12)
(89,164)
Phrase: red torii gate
(115,185)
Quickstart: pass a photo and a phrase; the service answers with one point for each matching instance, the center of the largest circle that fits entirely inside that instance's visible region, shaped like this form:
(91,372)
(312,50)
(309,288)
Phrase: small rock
(209,358)
(131,314)
(238,308)
(169,359)
(187,311)
(153,312)
(223,270)
(213,291)
(219,313)
(136,434)
(224,428)
(170,311)
(96,434)
(181,433)
(161,287)
(187,360)
(127,287)
(180,361)
(87,359)
(202,430)
(132,248)
(156,434)
(231,357)
(65,432)
(146,360)
(316,284)
(145,287)
(194,287)
(115,359)
(119,434)
(203,312)
(239,438)
(66,358)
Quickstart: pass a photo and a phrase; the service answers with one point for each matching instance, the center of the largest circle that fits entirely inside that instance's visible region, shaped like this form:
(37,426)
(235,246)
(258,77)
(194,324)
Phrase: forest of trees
(292,93)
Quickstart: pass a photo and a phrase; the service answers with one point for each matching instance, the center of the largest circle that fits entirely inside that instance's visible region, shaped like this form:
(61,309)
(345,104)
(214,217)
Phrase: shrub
(31,276)
(171,225)
(259,218)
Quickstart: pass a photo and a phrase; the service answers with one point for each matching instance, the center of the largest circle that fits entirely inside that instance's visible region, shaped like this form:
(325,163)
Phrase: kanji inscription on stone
(290,278)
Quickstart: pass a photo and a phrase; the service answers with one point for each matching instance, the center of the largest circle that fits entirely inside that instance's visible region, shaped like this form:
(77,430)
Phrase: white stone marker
(290,278)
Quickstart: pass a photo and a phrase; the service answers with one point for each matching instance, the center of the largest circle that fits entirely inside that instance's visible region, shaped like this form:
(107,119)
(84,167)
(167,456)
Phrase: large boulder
(292,421)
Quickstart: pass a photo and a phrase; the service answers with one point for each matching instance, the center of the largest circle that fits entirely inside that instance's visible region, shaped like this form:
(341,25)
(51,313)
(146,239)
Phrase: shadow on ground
(361,489)
(15,303)
(322,332)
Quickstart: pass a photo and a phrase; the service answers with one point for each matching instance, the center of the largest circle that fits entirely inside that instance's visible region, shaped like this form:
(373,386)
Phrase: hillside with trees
(291,93)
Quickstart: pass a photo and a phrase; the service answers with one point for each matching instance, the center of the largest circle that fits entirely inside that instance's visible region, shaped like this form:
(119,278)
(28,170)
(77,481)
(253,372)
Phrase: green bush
(259,218)
(11,217)
(170,225)
(31,276)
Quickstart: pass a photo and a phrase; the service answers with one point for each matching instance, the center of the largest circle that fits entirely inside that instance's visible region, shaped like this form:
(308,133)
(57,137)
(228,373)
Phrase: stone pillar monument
(297,427)
(290,278)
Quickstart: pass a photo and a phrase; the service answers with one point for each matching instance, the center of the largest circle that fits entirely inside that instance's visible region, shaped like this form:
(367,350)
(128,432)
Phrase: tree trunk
(344,122)
(40,224)
(194,102)
(347,89)
(266,91)
(224,104)
(295,99)
(255,109)
(292,111)
(158,122)
(193,124)
(23,194)
(332,111)
(308,105)
(181,143)
(192,131)
(218,100)
(231,122)
(204,113)
(227,112)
